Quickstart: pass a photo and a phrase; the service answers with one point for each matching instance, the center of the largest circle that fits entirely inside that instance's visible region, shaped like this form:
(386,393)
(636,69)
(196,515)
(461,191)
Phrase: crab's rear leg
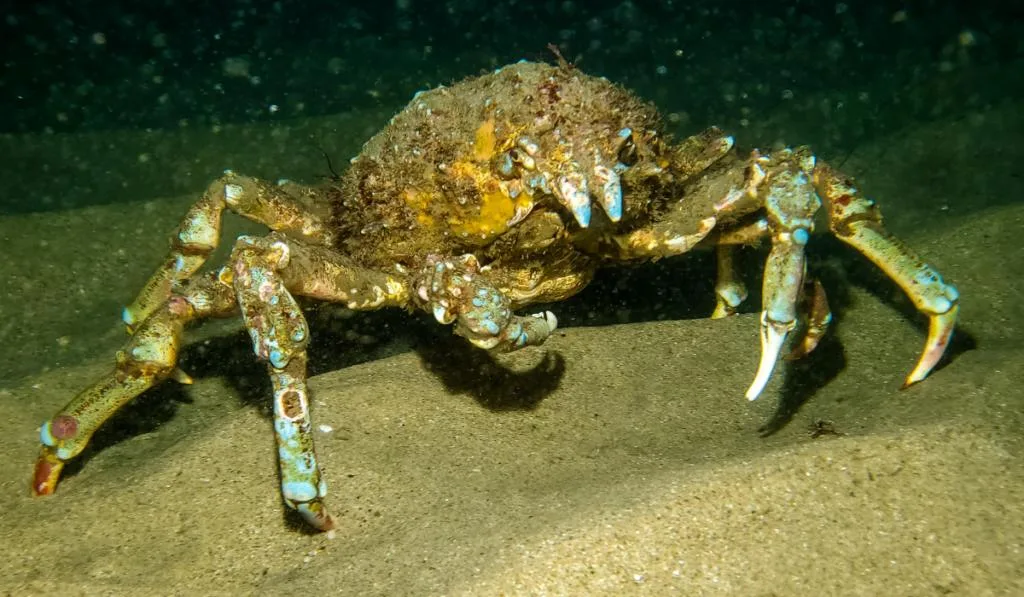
(856,220)
(149,357)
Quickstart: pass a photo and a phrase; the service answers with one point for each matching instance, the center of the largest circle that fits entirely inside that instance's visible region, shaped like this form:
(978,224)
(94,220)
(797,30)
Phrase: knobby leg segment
(147,358)
(198,235)
(302,486)
(266,273)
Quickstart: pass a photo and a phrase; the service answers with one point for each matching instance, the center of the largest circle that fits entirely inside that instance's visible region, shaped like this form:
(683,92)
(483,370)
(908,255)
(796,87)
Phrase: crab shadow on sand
(675,289)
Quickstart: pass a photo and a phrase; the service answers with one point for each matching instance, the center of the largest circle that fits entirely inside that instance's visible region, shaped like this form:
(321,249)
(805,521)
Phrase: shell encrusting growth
(462,165)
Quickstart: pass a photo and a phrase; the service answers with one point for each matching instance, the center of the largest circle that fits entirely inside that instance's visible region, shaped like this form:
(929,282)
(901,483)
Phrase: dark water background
(850,70)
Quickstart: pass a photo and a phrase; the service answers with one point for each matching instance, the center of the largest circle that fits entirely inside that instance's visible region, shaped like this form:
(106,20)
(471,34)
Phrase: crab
(477,200)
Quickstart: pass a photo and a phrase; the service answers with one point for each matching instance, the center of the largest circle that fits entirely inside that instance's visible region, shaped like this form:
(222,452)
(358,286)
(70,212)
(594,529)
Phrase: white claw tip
(773,335)
(549,318)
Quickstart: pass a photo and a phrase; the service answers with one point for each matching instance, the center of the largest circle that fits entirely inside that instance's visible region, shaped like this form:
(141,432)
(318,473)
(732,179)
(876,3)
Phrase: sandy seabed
(618,459)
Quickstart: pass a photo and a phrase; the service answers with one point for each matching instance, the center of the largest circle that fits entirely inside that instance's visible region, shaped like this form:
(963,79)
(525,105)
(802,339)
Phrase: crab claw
(791,203)
(457,293)
(817,317)
(532,330)
(783,278)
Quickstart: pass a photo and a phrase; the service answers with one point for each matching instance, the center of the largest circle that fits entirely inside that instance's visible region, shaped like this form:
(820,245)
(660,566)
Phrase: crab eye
(627,155)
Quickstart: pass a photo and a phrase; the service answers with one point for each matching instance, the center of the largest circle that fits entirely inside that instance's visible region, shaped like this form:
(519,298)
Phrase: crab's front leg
(279,334)
(731,291)
(266,274)
(169,300)
(794,184)
(455,290)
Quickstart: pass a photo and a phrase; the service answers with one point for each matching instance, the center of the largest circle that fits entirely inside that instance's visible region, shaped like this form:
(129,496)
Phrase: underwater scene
(555,297)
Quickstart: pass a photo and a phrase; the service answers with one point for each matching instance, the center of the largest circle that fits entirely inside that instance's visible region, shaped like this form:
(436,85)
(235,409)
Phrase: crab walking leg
(455,291)
(729,289)
(279,335)
(689,223)
(260,274)
(790,203)
(148,358)
(818,317)
(302,486)
(198,234)
(857,221)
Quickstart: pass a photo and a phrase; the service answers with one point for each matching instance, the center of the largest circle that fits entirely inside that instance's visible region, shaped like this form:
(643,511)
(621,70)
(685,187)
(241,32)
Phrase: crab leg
(199,233)
(790,203)
(279,334)
(265,273)
(857,221)
(148,358)
(729,289)
(818,317)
